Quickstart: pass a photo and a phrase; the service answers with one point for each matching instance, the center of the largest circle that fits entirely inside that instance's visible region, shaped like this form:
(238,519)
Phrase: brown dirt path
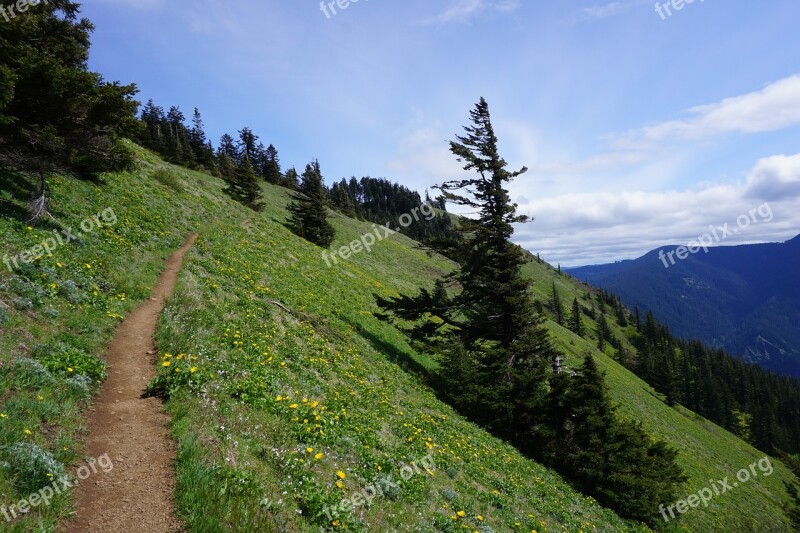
(136,495)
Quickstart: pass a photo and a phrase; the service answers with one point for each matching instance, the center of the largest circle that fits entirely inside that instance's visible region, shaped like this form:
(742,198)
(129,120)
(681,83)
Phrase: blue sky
(638,130)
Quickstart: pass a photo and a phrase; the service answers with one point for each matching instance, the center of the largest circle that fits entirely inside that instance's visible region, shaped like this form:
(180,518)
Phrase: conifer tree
(272,166)
(242,183)
(496,353)
(557,306)
(603,332)
(309,217)
(247,144)
(227,167)
(615,461)
(291,179)
(575,322)
(55,114)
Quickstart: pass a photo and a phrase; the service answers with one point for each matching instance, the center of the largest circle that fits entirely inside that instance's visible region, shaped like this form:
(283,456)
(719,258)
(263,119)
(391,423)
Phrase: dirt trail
(136,495)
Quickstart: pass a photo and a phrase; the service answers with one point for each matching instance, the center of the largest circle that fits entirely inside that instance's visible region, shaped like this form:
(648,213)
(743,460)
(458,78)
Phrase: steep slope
(244,459)
(289,396)
(745,299)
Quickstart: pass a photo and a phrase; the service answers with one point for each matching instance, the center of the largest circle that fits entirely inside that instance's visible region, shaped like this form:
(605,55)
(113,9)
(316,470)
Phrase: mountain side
(744,299)
(288,395)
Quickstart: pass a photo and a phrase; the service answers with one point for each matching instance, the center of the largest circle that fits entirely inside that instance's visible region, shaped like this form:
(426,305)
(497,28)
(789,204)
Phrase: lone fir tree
(495,353)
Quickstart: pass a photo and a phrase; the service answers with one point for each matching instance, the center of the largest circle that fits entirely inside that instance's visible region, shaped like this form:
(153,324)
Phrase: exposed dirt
(137,494)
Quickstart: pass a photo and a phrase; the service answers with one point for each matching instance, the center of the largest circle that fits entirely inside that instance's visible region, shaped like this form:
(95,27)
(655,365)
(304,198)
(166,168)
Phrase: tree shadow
(401,358)
(19,187)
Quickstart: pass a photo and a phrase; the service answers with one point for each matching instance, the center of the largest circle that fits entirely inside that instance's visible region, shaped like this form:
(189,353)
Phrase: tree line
(757,405)
(244,162)
(381,201)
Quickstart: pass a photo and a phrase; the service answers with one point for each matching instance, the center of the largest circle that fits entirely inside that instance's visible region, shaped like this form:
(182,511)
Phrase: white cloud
(775,107)
(611,9)
(775,178)
(465,10)
(587,228)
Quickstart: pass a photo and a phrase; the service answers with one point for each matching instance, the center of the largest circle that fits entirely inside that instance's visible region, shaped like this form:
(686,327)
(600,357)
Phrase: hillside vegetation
(287,394)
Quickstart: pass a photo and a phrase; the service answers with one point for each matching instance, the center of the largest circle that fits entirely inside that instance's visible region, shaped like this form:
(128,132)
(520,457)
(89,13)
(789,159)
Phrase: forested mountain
(758,405)
(743,299)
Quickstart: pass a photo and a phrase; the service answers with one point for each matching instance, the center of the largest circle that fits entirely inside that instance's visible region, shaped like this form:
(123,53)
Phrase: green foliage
(335,353)
(556,306)
(309,215)
(68,361)
(271,167)
(385,203)
(30,466)
(168,178)
(56,115)
(613,460)
(242,184)
(496,354)
(575,322)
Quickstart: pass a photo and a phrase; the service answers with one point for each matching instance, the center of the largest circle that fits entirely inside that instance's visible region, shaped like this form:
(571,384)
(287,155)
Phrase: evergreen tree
(292,180)
(309,217)
(612,460)
(603,332)
(575,322)
(272,167)
(55,114)
(556,306)
(201,148)
(243,185)
(622,320)
(496,355)
(227,167)
(227,146)
(247,144)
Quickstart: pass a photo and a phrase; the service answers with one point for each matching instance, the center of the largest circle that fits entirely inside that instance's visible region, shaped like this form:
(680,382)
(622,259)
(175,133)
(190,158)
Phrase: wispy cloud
(775,107)
(602,11)
(464,10)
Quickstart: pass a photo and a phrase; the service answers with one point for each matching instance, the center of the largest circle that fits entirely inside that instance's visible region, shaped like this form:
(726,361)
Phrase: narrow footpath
(136,495)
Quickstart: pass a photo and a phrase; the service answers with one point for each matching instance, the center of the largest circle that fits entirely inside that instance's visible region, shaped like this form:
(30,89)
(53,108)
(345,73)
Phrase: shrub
(72,293)
(68,361)
(168,178)
(30,466)
(32,373)
(27,294)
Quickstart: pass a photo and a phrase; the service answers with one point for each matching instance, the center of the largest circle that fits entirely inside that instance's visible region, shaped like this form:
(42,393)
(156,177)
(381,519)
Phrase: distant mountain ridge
(744,299)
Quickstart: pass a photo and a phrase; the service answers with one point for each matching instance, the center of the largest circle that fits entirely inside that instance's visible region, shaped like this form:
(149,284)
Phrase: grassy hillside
(287,394)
